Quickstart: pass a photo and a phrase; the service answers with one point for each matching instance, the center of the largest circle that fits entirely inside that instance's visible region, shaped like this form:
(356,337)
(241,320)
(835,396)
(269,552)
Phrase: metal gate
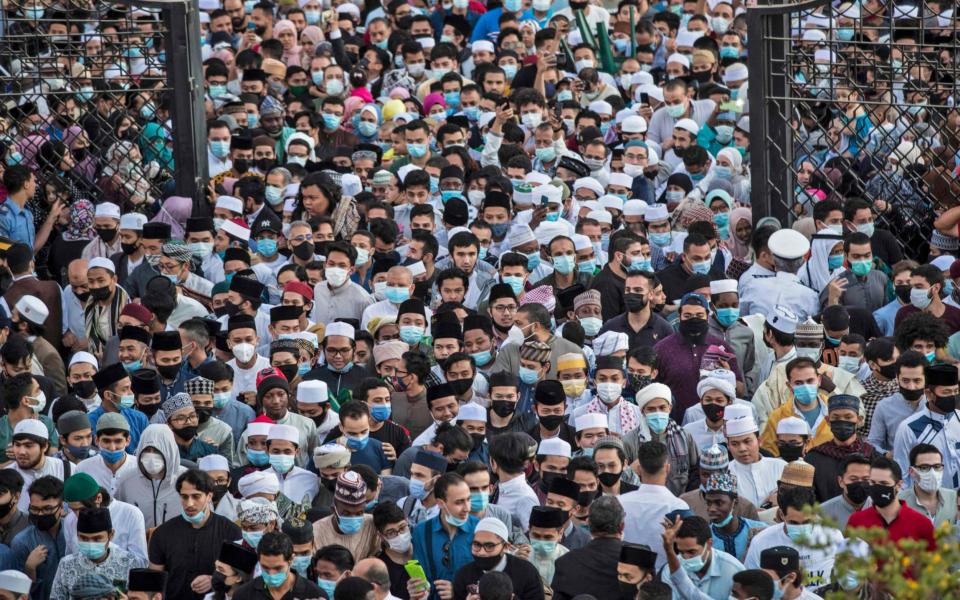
(855,100)
(121,72)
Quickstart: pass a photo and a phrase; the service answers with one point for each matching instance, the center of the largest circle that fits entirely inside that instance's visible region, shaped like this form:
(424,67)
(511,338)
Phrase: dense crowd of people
(475,306)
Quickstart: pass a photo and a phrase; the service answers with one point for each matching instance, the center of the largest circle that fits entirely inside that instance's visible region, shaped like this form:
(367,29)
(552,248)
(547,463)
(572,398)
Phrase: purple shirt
(680,369)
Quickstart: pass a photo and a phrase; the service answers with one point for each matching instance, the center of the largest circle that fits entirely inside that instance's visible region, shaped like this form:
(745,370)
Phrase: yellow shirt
(821,433)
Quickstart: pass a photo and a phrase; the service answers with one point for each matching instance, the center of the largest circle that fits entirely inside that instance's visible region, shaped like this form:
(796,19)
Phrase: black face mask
(220,311)
(218,581)
(882,495)
(289,371)
(574,6)
(609,479)
(149,409)
(100,294)
(128,249)
(204,414)
(241,165)
(714,412)
(84,389)
(478,439)
(219,491)
(6,508)
(107,234)
(586,498)
(79,154)
(487,562)
(304,251)
(843,430)
(628,591)
(694,330)
(230,309)
(790,452)
(330,484)
(634,302)
(888,371)
(503,408)
(264,164)
(44,522)
(460,386)
(169,371)
(903,292)
(945,404)
(551,422)
(911,395)
(186,433)
(82,297)
(638,382)
(319,419)
(858,491)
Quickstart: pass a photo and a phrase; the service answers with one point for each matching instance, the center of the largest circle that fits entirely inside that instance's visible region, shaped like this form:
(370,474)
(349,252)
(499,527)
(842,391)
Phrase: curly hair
(921,326)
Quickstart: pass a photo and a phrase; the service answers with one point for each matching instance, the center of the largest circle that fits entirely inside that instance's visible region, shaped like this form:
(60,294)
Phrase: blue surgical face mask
(257,458)
(397,295)
(515,283)
(275,580)
(411,334)
(301,563)
(381,412)
(220,400)
(563,264)
(267,247)
(659,239)
(112,457)
(724,521)
(587,266)
(479,501)
(657,421)
(529,376)
(252,538)
(834,261)
(358,442)
(805,393)
(350,525)
(728,316)
(482,358)
(281,463)
(327,586)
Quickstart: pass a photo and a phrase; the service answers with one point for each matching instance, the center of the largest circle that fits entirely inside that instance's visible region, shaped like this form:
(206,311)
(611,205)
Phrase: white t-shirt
(817,562)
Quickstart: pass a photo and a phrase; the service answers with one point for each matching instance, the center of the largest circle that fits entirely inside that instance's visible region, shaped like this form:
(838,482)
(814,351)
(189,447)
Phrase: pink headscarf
(431,100)
(87,167)
(350,106)
(312,33)
(739,249)
(174,212)
(290,57)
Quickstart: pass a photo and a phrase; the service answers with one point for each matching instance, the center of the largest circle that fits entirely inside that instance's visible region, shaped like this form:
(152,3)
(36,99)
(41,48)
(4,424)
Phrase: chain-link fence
(88,98)
(855,100)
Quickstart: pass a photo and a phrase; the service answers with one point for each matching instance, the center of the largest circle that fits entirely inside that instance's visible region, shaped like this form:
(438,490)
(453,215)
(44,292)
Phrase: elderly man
(534,323)
(348,525)
(399,289)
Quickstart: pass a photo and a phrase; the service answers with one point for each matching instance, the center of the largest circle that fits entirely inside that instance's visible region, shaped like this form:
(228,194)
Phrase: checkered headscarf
(198,386)
(177,250)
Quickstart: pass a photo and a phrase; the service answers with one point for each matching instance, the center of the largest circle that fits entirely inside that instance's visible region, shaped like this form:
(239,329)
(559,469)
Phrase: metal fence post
(185,76)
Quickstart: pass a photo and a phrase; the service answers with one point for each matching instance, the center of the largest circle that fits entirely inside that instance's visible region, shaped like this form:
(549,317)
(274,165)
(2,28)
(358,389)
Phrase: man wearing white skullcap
(106,222)
(757,475)
(490,554)
(716,394)
(724,322)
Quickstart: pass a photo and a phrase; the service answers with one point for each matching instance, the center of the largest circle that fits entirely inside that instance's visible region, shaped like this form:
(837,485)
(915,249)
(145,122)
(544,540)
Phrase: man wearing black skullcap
(95,555)
(154,236)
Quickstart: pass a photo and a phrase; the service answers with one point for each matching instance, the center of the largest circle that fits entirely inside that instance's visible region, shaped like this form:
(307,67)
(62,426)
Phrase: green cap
(79,487)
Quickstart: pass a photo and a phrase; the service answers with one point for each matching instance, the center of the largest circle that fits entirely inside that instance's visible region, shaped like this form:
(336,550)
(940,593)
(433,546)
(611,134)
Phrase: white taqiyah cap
(471,411)
(312,391)
(783,320)
(15,581)
(601,215)
(581,242)
(591,421)
(259,428)
(340,328)
(634,208)
(723,286)
(611,201)
(133,221)
(621,179)
(493,525)
(34,427)
(84,357)
(793,426)
(236,230)
(102,263)
(741,426)
(554,447)
(107,209)
(656,212)
(213,462)
(230,203)
(259,482)
(32,309)
(284,432)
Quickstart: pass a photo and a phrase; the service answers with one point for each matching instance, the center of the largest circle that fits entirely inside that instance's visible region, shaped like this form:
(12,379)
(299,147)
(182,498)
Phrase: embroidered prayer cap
(843,402)
(350,489)
(177,250)
(392,349)
(798,473)
(588,298)
(810,331)
(714,458)
(258,510)
(91,586)
(332,456)
(176,402)
(723,481)
(609,342)
(536,351)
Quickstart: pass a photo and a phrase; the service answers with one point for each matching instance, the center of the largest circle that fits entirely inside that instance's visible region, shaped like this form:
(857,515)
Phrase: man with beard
(642,326)
(501,306)
(217,467)
(680,353)
(489,547)
(27,319)
(339,371)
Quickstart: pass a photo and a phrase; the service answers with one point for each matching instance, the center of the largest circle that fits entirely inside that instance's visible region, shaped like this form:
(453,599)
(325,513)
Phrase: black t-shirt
(186,552)
(398,577)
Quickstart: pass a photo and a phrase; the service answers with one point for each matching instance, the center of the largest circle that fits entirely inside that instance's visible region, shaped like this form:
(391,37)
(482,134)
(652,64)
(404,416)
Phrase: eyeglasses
(182,419)
(926,468)
(392,533)
(504,308)
(45,510)
(307,237)
(486,547)
(338,351)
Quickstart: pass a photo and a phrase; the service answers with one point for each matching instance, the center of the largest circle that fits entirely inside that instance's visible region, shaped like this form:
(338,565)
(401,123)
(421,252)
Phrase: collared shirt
(926,427)
(886,315)
(245,380)
(784,289)
(946,508)
(51,466)
(717,582)
(136,419)
(72,310)
(517,497)
(702,436)
(655,329)
(440,555)
(868,292)
(887,416)
(645,509)
(17,223)
(756,480)
(56,546)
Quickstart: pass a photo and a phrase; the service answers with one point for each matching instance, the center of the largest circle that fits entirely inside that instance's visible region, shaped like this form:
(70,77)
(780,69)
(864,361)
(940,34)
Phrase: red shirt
(908,524)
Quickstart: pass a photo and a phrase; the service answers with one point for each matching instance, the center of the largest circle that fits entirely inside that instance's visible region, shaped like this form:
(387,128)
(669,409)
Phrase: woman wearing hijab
(78,142)
(729,167)
(123,180)
(741,232)
(366,124)
(75,231)
(285,31)
(677,188)
(826,257)
(309,38)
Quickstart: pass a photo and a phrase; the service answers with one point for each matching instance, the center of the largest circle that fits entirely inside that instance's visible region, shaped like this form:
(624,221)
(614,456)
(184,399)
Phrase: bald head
(77,272)
(399,277)
(375,571)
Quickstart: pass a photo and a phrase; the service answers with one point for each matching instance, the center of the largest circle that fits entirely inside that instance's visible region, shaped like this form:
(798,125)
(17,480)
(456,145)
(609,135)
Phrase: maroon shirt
(680,369)
(951,316)
(908,524)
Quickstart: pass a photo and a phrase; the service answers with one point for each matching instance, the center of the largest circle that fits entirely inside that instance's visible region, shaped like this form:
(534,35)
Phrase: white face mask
(41,402)
(243,352)
(336,276)
(609,391)
(401,543)
(152,463)
(930,481)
